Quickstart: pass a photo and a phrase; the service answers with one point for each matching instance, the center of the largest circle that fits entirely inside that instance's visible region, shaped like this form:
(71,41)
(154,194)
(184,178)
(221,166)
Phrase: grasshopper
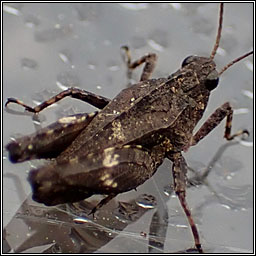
(119,147)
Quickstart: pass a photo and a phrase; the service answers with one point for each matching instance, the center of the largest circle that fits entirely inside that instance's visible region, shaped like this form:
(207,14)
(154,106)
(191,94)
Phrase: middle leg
(91,98)
(149,60)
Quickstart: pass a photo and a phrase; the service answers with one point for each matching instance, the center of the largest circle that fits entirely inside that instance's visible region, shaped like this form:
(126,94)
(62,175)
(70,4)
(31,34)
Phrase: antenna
(234,61)
(217,42)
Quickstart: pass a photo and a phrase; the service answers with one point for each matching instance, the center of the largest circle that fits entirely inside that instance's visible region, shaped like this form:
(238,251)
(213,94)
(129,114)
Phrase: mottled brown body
(121,146)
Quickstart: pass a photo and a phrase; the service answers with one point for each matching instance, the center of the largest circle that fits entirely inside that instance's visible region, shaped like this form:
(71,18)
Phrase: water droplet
(36,102)
(81,220)
(91,66)
(229,177)
(98,87)
(168,190)
(36,211)
(235,197)
(226,206)
(67,79)
(200,23)
(53,34)
(31,21)
(32,166)
(13,139)
(126,212)
(61,86)
(27,63)
(65,56)
(87,11)
(240,111)
(11,10)
(114,68)
(181,226)
(176,6)
(155,45)
(228,167)
(123,220)
(138,42)
(135,6)
(61,16)
(107,42)
(95,234)
(249,65)
(246,143)
(248,93)
(221,51)
(143,234)
(158,40)
(146,201)
(37,122)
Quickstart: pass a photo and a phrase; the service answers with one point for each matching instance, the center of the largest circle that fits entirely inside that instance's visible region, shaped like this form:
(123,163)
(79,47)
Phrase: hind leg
(109,172)
(50,141)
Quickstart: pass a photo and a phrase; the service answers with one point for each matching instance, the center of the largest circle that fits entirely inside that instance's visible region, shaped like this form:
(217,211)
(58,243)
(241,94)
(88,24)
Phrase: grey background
(37,35)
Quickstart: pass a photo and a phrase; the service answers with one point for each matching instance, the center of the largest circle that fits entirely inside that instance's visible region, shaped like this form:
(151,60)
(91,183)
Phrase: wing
(145,108)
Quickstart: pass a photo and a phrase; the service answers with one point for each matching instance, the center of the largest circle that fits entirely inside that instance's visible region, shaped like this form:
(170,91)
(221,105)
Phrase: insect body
(121,146)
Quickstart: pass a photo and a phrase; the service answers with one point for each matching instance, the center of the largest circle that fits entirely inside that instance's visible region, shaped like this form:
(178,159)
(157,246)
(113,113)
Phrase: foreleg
(219,114)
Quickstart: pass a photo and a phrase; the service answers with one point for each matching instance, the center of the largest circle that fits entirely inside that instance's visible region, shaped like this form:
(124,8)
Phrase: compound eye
(212,80)
(187,60)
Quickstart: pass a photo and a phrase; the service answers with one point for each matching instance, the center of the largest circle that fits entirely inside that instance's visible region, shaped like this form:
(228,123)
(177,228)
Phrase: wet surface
(49,47)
